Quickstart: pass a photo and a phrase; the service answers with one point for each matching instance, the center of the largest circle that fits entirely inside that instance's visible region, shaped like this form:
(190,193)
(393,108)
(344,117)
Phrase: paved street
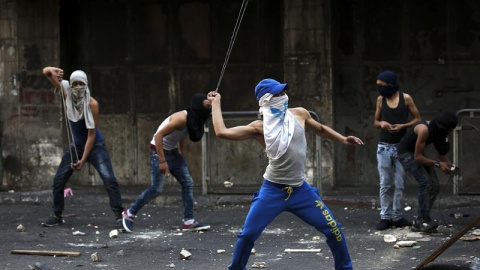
(156,242)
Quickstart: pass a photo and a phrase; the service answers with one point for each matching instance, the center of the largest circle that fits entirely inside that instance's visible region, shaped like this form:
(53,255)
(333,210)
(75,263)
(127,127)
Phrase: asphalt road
(157,241)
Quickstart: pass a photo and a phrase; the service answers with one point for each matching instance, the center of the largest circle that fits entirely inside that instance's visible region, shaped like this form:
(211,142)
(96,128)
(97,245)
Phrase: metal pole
(205,155)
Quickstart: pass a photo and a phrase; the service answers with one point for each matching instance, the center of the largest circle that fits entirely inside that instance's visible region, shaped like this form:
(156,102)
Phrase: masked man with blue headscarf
(282,134)
(82,112)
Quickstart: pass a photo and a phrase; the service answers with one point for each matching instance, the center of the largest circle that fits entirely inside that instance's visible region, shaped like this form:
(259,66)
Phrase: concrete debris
(404,244)
(470,238)
(185,255)
(414,235)
(228,184)
(171,265)
(408,208)
(476,232)
(95,257)
(220,251)
(253,252)
(40,266)
(389,238)
(299,250)
(259,265)
(424,239)
(76,233)
(20,228)
(316,238)
(113,234)
(120,253)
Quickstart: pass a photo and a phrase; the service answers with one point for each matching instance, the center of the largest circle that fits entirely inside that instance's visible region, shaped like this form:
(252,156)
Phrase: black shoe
(384,224)
(426,227)
(119,225)
(403,222)
(53,221)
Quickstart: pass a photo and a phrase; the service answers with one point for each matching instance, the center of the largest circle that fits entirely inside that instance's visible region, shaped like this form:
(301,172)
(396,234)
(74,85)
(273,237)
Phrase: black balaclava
(197,114)
(390,78)
(439,128)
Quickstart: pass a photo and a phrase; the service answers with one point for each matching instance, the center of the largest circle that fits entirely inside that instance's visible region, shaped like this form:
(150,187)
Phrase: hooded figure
(390,78)
(78,99)
(438,129)
(197,115)
(278,122)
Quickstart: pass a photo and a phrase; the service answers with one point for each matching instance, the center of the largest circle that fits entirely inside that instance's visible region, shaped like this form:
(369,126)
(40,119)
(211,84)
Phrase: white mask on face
(78,92)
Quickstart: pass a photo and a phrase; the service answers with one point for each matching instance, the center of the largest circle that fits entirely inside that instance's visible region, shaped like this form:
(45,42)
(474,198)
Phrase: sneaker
(53,221)
(384,224)
(119,222)
(127,221)
(195,226)
(403,222)
(426,227)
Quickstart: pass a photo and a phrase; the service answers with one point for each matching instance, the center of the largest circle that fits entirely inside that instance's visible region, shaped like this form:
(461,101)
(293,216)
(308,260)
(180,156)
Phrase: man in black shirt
(391,117)
(411,155)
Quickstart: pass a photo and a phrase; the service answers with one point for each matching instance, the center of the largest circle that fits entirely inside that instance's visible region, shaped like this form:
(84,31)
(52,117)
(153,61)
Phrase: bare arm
(377,122)
(422,136)
(54,75)
(325,131)
(253,130)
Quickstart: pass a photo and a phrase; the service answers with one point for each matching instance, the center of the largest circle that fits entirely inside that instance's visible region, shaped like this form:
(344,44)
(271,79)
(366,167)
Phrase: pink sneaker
(127,221)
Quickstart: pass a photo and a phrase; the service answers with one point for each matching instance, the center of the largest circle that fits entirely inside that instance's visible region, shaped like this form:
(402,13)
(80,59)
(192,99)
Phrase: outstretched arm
(253,130)
(327,132)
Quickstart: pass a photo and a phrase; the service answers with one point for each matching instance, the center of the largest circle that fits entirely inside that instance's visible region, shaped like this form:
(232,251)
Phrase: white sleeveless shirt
(170,141)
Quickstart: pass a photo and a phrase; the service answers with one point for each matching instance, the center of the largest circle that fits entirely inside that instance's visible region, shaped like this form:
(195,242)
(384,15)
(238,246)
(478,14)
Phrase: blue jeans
(100,159)
(428,181)
(392,182)
(304,202)
(179,169)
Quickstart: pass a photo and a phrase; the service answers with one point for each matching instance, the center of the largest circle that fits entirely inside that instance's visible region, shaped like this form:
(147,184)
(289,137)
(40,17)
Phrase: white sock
(189,222)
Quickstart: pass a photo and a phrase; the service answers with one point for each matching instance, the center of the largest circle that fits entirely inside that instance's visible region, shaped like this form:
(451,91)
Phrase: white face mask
(78,92)
(277,105)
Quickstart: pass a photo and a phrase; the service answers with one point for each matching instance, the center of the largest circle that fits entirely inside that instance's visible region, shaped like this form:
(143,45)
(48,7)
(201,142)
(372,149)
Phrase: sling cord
(232,40)
(71,141)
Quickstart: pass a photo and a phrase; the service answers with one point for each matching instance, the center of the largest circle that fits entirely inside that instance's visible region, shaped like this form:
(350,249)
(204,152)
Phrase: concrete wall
(31,138)
(433,46)
(329,52)
(308,67)
(167,51)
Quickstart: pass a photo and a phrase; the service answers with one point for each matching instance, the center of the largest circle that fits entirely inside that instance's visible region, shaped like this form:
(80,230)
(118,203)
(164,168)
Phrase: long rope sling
(71,141)
(232,40)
